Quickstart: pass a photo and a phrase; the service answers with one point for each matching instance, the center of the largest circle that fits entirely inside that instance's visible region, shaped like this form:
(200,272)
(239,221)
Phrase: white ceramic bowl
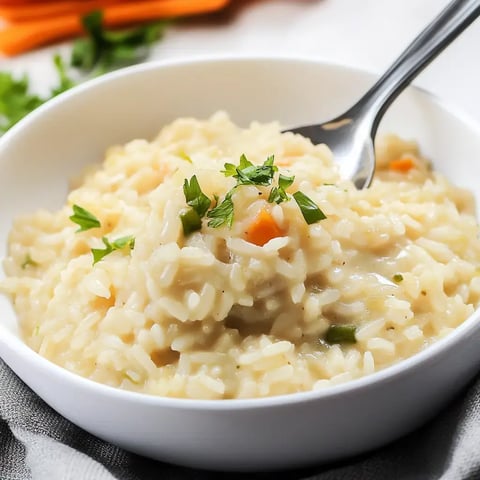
(39,155)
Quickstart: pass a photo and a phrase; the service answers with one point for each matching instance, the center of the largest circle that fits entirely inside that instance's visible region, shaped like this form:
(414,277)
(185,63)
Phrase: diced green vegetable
(85,219)
(341,334)
(66,83)
(310,210)
(191,221)
(398,277)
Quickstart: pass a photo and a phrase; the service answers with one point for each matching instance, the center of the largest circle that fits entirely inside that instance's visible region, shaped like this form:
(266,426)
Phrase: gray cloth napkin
(38,444)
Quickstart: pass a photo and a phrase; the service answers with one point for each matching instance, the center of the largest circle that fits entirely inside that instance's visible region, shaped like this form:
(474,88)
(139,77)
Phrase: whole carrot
(23,36)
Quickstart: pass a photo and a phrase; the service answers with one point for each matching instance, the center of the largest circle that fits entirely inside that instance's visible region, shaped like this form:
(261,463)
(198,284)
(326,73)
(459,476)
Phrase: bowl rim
(427,356)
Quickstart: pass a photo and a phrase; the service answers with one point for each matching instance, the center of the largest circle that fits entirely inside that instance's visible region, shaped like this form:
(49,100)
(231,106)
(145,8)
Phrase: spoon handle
(455,18)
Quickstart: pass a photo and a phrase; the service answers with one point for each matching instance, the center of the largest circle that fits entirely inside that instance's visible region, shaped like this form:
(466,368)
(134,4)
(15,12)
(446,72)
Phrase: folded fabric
(36,443)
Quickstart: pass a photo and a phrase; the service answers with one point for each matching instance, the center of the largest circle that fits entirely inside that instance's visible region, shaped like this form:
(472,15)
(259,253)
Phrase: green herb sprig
(310,210)
(222,214)
(104,49)
(246,173)
(279,194)
(86,221)
(16,100)
(118,244)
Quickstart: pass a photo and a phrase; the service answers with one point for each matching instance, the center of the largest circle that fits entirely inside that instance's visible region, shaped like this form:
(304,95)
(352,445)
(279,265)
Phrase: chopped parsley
(195,197)
(341,334)
(28,262)
(310,210)
(118,244)
(85,219)
(398,277)
(199,203)
(222,214)
(246,173)
(279,194)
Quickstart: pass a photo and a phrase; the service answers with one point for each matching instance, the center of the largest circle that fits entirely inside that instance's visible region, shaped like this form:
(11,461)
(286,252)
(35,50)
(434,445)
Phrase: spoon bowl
(42,153)
(351,135)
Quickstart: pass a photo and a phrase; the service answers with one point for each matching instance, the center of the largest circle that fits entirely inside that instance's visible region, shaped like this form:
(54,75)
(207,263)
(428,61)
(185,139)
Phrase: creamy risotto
(218,262)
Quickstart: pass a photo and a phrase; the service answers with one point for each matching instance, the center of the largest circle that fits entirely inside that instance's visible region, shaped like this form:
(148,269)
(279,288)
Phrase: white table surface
(363,33)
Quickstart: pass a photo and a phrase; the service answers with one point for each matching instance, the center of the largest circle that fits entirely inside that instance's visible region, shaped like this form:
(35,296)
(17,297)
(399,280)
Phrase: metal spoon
(351,135)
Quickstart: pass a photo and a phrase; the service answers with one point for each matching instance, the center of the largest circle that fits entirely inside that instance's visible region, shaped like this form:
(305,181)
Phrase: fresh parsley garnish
(16,100)
(247,173)
(199,203)
(222,214)
(195,197)
(28,262)
(84,219)
(106,49)
(341,334)
(279,194)
(118,244)
(310,210)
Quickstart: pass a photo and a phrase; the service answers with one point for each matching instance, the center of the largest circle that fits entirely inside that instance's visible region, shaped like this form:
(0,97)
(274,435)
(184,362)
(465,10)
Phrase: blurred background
(363,33)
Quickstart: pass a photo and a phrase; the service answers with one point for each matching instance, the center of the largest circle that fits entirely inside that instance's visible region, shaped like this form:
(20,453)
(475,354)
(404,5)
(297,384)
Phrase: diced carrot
(24,35)
(402,164)
(263,229)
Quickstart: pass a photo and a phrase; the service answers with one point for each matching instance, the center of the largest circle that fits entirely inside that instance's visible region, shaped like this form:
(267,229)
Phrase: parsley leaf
(195,197)
(66,83)
(310,210)
(107,49)
(118,244)
(84,219)
(200,203)
(16,100)
(28,262)
(230,170)
(278,194)
(222,214)
(247,173)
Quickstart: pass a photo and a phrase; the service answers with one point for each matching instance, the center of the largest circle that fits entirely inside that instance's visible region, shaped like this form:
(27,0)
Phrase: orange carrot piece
(263,229)
(23,36)
(402,164)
